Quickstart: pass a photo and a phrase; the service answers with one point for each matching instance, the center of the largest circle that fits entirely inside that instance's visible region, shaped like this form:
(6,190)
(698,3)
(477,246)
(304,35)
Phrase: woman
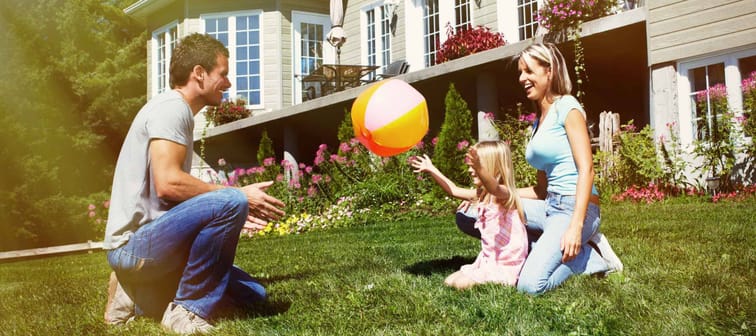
(562,210)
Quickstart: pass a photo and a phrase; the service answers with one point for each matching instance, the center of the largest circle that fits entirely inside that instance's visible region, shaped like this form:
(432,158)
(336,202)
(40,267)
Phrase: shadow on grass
(266,308)
(268,280)
(428,268)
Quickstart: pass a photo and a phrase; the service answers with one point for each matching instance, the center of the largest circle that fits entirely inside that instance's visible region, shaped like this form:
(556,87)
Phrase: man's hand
(263,208)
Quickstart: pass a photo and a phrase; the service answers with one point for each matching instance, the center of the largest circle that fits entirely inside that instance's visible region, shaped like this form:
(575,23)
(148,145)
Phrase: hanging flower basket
(228,111)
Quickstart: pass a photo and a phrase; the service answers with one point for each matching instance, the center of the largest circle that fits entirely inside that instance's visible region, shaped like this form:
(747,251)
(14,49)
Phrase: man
(171,238)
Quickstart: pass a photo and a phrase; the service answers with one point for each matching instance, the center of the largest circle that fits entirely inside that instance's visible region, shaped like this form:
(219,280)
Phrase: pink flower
(279,177)
(338,159)
(434,141)
(462,145)
(308,169)
(344,147)
(316,178)
(91,214)
(106,204)
(488,116)
(269,161)
(311,191)
(91,207)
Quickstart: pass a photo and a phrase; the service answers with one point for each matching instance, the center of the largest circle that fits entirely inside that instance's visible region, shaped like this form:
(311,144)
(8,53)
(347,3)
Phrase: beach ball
(390,117)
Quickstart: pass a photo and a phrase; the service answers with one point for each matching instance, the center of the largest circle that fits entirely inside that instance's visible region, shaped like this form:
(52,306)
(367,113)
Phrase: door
(310,51)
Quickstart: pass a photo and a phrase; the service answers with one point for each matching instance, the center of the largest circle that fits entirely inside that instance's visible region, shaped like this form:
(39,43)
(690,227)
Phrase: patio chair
(394,69)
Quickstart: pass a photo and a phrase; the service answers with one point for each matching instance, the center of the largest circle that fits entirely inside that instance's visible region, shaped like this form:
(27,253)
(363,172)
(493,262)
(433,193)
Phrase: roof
(143,8)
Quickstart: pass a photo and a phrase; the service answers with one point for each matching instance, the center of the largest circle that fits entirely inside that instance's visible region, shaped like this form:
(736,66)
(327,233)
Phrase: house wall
(485,15)
(679,29)
(682,34)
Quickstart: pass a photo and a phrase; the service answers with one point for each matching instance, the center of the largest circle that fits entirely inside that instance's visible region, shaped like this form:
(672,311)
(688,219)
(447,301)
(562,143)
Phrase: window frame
(155,50)
(467,4)
(232,92)
(732,82)
(524,27)
(376,35)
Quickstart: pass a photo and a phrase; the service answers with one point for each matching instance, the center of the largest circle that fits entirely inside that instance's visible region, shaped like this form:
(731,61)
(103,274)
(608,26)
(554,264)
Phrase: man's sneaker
(605,250)
(179,320)
(120,307)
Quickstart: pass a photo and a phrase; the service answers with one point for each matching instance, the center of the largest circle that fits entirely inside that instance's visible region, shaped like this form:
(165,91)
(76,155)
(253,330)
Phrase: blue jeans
(547,220)
(186,256)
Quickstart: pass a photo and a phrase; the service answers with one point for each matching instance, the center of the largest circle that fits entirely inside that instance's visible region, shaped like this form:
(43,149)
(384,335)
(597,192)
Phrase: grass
(689,271)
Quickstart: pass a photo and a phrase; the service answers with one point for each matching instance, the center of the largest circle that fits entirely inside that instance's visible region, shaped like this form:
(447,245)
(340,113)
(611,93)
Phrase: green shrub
(515,129)
(265,149)
(454,138)
(634,162)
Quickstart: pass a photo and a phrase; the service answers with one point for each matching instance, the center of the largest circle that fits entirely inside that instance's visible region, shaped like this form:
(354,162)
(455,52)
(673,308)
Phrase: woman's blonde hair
(548,55)
(496,158)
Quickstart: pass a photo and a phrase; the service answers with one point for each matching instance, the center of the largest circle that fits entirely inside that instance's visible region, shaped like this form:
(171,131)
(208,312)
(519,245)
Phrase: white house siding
(680,29)
(485,15)
(351,51)
(681,33)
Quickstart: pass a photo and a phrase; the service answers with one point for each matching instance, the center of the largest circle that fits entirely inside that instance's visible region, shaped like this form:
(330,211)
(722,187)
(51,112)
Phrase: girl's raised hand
(472,159)
(422,164)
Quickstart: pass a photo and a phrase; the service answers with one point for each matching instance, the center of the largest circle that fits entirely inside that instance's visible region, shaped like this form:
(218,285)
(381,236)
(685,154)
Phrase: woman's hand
(464,206)
(571,243)
(422,164)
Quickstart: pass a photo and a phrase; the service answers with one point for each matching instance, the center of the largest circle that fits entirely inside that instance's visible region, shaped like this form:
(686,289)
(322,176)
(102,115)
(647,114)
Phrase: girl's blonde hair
(496,158)
(548,55)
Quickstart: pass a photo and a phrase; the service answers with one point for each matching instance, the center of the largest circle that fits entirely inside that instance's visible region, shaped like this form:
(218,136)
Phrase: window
(462,14)
(311,41)
(527,25)
(431,34)
(240,33)
(378,39)
(163,42)
(706,85)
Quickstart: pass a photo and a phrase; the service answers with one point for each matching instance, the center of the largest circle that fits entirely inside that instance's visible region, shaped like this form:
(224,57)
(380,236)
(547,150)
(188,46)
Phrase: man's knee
(234,197)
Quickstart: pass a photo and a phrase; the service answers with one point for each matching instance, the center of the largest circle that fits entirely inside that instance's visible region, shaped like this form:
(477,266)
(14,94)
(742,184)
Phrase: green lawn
(689,269)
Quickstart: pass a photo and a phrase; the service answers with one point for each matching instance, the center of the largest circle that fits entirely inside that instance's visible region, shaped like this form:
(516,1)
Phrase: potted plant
(467,41)
(228,111)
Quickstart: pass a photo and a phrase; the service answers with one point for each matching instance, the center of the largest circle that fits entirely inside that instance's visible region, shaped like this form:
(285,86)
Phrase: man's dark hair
(195,49)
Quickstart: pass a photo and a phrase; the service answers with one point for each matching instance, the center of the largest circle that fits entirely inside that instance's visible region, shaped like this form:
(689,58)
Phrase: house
(644,62)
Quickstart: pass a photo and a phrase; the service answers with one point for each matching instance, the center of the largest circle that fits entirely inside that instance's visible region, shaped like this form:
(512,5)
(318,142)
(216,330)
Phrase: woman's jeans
(186,256)
(547,221)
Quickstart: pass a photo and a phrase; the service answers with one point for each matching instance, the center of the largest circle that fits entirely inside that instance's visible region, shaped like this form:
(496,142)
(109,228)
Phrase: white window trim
(166,31)
(732,81)
(329,52)
(379,47)
(414,27)
(232,50)
(471,17)
(509,22)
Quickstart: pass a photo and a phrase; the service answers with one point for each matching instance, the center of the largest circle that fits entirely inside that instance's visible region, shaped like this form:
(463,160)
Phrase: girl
(562,210)
(500,218)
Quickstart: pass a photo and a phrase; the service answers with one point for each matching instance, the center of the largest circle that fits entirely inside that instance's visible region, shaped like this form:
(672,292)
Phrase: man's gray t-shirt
(133,201)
